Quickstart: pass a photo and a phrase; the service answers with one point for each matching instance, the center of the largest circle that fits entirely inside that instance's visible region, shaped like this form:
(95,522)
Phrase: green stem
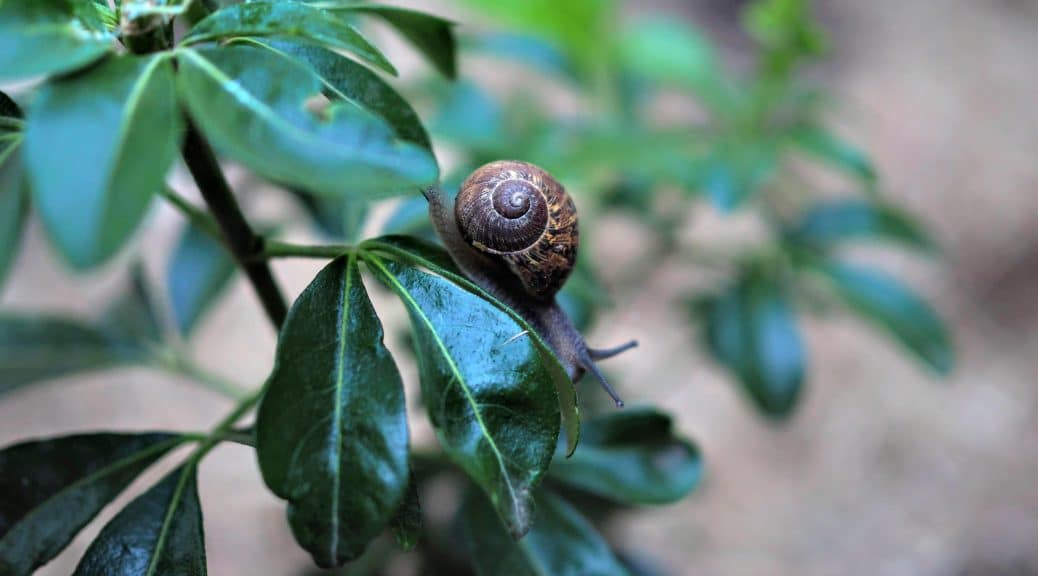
(176,363)
(197,216)
(275,249)
(224,428)
(244,243)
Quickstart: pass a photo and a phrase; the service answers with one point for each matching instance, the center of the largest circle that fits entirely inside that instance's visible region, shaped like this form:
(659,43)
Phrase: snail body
(513,231)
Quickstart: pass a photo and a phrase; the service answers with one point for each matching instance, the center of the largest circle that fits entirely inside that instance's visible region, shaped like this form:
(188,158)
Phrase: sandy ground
(885,470)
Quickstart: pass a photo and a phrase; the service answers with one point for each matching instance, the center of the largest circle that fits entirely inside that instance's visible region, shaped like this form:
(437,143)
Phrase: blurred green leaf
(410,217)
(406,523)
(331,434)
(200,270)
(40,348)
(43,37)
(785,31)
(576,26)
(737,170)
(133,317)
(528,49)
(488,388)
(561,543)
(14,199)
(250,102)
(50,489)
(889,304)
(420,253)
(346,80)
(671,52)
(288,21)
(432,35)
(631,457)
(835,152)
(830,223)
(160,532)
(97,148)
(9,108)
(469,117)
(751,329)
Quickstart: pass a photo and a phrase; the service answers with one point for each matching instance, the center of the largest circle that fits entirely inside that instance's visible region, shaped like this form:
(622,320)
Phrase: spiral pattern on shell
(517,212)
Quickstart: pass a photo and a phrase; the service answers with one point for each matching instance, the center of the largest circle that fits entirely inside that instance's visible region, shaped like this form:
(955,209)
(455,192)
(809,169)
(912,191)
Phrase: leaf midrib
(109,469)
(337,414)
(174,503)
(404,294)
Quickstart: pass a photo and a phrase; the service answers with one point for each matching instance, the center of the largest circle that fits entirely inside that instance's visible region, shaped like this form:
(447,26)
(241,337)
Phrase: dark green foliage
(332,429)
(50,489)
(160,532)
(295,93)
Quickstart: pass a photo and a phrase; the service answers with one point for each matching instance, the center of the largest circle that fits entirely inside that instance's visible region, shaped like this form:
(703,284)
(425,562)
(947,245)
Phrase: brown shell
(519,213)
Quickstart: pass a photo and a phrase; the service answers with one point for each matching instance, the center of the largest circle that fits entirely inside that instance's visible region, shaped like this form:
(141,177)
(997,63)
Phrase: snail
(513,231)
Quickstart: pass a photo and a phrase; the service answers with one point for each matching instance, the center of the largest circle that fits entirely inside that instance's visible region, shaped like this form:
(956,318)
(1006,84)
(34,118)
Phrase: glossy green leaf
(287,20)
(406,523)
(199,272)
(34,348)
(50,489)
(487,387)
(831,223)
(561,543)
(160,532)
(751,329)
(332,428)
(344,79)
(835,152)
(97,148)
(432,35)
(888,303)
(14,200)
(250,102)
(40,37)
(431,257)
(632,457)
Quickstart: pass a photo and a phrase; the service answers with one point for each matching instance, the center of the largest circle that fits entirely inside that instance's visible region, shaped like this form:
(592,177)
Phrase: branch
(275,249)
(243,242)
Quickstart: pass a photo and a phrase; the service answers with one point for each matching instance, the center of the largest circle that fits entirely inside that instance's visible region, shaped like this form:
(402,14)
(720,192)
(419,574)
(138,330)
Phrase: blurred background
(883,467)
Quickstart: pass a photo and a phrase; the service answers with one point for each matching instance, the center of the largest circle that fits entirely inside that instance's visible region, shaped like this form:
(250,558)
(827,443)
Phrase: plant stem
(244,243)
(275,249)
(223,429)
(200,218)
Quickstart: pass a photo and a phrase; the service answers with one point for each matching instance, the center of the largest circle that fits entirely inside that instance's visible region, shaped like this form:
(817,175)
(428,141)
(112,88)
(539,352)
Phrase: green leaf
(434,258)
(14,201)
(250,102)
(50,489)
(160,532)
(9,107)
(338,218)
(830,223)
(406,523)
(487,387)
(332,427)
(469,117)
(42,37)
(33,349)
(561,543)
(889,304)
(199,272)
(835,152)
(432,35)
(631,457)
(751,329)
(670,51)
(288,21)
(344,79)
(97,148)
(411,217)
(531,50)
(737,170)
(133,317)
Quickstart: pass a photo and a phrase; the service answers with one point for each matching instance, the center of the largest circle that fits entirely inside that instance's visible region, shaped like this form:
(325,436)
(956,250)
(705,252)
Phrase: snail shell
(518,213)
